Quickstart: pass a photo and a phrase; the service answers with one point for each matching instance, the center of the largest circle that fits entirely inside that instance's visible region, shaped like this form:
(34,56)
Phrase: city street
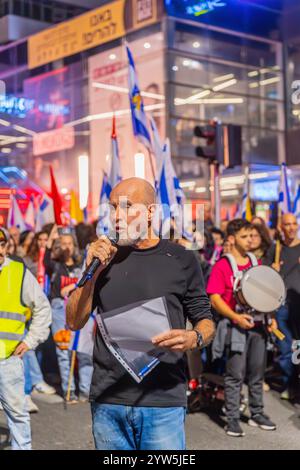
(55,428)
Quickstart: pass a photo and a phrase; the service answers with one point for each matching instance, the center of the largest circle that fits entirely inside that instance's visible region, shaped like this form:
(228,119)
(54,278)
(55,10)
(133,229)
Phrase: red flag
(57,203)
(113,131)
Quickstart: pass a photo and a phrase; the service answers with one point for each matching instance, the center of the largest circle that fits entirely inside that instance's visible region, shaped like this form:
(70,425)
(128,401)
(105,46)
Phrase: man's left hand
(21,349)
(272,326)
(176,340)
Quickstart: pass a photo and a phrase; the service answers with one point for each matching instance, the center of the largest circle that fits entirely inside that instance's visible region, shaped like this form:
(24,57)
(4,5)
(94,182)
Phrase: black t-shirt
(60,274)
(290,268)
(134,275)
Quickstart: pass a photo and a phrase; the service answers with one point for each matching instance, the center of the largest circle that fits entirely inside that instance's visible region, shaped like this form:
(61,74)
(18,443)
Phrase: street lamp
(83,173)
(139,165)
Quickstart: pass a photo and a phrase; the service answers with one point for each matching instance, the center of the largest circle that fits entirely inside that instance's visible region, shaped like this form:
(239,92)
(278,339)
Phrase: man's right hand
(102,249)
(245,321)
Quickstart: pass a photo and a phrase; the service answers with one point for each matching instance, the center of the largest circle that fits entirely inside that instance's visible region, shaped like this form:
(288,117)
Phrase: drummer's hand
(272,326)
(245,321)
(277,266)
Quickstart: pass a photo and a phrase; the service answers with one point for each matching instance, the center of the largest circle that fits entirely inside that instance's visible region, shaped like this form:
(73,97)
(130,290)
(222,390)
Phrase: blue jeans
(27,376)
(119,427)
(285,346)
(85,370)
(12,398)
(33,373)
(85,363)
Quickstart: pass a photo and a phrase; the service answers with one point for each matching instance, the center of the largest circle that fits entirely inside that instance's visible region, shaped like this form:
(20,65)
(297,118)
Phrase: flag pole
(247,171)
(278,243)
(279,218)
(151,165)
(71,374)
(73,358)
(217,196)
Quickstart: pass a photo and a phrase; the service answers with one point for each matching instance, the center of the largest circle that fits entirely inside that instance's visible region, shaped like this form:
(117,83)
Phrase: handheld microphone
(94,265)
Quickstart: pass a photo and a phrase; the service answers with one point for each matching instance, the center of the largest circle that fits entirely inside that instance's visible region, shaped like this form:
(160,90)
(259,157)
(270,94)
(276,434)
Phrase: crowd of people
(40,270)
(261,348)
(62,255)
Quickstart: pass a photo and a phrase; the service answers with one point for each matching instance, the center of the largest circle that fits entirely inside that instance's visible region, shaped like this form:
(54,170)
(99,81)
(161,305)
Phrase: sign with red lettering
(53,141)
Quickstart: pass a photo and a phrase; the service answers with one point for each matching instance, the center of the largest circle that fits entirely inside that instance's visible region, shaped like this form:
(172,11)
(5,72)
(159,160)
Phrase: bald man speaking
(149,415)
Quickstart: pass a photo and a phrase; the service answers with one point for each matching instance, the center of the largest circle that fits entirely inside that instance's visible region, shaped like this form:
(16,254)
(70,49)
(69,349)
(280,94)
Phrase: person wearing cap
(21,298)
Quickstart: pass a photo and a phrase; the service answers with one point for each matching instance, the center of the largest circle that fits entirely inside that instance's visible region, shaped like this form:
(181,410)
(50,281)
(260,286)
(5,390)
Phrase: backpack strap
(237,274)
(252,258)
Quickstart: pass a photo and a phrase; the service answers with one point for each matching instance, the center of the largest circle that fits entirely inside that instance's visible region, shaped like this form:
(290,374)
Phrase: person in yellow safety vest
(19,294)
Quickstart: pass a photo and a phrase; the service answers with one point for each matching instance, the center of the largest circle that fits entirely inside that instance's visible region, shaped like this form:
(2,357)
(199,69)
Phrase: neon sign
(56,109)
(21,106)
(14,105)
(201,8)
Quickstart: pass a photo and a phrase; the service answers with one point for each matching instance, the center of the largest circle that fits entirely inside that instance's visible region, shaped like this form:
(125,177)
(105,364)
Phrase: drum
(260,289)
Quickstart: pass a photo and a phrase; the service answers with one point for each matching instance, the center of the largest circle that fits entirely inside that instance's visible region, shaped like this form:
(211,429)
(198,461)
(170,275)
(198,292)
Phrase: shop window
(36,11)
(234,48)
(204,104)
(262,147)
(266,114)
(259,145)
(261,82)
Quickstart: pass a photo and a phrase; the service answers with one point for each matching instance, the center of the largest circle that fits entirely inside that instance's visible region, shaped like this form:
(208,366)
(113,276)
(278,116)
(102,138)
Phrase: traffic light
(211,135)
(223,144)
(232,146)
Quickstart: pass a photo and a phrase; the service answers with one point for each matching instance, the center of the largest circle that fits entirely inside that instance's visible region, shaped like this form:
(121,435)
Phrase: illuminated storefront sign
(143,12)
(200,8)
(14,105)
(265,190)
(19,106)
(91,29)
(54,109)
(258,17)
(88,30)
(53,141)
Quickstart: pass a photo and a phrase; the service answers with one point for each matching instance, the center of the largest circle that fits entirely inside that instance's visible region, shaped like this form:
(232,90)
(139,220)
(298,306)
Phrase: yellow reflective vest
(13,314)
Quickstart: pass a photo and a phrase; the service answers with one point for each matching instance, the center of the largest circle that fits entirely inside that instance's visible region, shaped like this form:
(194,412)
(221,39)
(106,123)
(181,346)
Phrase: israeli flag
(284,201)
(45,212)
(139,118)
(164,198)
(170,195)
(115,168)
(15,217)
(103,224)
(165,173)
(30,214)
(82,341)
(109,181)
(176,196)
(245,211)
(296,208)
(158,151)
